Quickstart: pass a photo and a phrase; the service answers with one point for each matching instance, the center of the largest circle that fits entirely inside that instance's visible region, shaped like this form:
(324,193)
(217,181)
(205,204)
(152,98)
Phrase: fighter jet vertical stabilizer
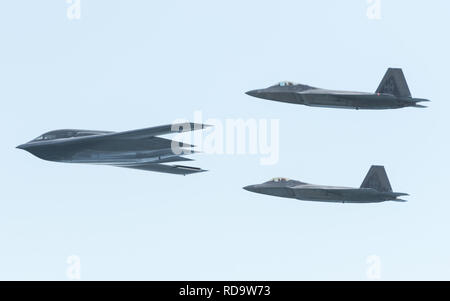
(394,83)
(377,179)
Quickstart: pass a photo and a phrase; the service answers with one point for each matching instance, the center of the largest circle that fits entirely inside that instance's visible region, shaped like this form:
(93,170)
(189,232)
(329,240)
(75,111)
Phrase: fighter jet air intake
(138,149)
(374,189)
(393,93)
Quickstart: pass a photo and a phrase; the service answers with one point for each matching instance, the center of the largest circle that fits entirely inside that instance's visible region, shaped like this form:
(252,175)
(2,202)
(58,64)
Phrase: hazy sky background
(132,64)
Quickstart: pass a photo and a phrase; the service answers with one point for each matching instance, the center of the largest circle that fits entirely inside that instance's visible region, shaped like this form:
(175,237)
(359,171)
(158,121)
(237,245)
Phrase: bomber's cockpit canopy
(64,134)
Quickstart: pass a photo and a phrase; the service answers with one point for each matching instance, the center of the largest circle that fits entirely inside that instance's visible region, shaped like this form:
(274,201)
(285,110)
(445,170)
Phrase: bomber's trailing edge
(375,189)
(138,149)
(393,93)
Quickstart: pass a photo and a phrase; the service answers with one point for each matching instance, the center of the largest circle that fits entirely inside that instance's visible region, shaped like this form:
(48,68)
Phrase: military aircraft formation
(144,150)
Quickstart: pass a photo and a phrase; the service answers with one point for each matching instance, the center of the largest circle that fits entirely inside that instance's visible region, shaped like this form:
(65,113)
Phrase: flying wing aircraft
(139,149)
(393,93)
(374,189)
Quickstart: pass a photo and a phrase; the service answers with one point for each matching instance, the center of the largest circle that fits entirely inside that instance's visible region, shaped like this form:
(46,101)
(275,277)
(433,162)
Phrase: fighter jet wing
(326,191)
(171,169)
(336,192)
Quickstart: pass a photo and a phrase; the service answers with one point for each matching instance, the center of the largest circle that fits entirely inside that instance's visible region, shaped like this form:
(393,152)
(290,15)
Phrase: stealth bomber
(375,189)
(393,93)
(138,149)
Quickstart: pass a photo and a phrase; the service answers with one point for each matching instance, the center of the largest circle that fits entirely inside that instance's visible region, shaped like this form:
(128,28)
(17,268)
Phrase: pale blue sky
(132,64)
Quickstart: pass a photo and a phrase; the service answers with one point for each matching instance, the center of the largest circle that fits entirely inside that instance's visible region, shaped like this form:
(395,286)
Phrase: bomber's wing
(171,169)
(132,135)
(157,131)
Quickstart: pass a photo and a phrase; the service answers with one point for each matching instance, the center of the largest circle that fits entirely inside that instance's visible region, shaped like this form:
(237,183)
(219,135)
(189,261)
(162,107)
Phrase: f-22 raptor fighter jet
(138,149)
(375,189)
(393,93)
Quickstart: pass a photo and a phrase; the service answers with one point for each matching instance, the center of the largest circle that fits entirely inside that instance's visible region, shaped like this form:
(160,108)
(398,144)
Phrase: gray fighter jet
(138,149)
(375,189)
(393,93)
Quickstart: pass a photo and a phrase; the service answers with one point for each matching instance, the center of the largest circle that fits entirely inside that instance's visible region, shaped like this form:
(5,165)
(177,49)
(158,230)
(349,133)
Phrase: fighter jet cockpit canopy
(279,180)
(285,84)
(298,87)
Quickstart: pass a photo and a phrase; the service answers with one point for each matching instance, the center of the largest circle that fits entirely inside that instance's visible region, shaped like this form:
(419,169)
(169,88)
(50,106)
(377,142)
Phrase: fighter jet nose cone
(254,93)
(22,146)
(250,188)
